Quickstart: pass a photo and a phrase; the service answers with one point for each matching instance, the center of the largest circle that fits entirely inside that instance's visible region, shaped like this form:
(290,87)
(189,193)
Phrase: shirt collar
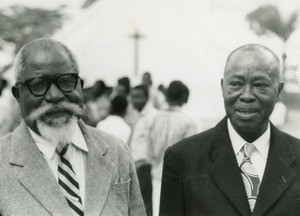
(262,144)
(48,149)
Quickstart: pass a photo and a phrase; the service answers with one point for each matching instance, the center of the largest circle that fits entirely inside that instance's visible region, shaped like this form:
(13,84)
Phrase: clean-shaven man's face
(250,90)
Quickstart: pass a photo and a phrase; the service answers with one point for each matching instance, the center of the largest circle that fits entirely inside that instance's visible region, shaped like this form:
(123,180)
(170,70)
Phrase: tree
(19,24)
(268,18)
(88,3)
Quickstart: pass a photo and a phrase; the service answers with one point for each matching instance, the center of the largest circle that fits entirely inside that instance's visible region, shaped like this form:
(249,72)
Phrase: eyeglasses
(39,86)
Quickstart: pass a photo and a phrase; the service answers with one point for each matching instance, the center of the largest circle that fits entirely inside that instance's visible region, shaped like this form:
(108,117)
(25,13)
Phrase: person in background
(97,103)
(185,108)
(169,126)
(114,123)
(10,115)
(123,88)
(162,89)
(139,142)
(54,164)
(156,97)
(244,165)
(3,84)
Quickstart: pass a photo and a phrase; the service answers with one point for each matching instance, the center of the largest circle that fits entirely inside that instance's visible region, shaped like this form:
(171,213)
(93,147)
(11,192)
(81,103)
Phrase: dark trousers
(144,176)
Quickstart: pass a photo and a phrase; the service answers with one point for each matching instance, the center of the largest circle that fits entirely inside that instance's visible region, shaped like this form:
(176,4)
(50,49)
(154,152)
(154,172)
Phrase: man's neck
(251,137)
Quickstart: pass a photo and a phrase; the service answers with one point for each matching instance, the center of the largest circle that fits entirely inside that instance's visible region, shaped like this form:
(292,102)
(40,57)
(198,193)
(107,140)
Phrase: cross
(136,36)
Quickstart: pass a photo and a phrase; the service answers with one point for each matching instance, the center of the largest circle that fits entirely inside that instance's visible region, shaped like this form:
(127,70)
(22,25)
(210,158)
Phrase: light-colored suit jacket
(28,187)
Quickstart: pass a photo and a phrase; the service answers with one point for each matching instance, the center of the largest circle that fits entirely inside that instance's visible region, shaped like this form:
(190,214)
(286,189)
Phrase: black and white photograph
(150,107)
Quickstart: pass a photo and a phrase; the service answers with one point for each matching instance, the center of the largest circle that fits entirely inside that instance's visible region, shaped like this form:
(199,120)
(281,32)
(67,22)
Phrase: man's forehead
(258,56)
(242,68)
(46,63)
(42,56)
(251,61)
(255,74)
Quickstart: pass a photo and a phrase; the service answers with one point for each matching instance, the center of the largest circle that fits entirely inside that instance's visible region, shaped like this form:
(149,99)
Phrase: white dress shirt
(260,154)
(139,140)
(169,127)
(76,153)
(115,125)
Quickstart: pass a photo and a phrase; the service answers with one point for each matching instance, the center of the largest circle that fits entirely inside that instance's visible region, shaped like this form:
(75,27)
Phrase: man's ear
(222,86)
(280,89)
(16,93)
(82,83)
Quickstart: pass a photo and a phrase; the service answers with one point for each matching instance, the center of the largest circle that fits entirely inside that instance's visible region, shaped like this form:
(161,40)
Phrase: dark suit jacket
(201,177)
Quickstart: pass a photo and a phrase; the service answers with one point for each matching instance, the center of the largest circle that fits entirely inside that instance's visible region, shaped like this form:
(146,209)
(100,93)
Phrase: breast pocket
(121,187)
(119,196)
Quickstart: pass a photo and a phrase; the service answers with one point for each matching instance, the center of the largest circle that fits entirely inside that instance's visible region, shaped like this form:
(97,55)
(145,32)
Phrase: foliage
(19,24)
(269,18)
(88,3)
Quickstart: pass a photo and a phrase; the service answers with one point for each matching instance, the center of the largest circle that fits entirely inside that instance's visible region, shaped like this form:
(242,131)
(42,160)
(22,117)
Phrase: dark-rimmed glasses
(39,86)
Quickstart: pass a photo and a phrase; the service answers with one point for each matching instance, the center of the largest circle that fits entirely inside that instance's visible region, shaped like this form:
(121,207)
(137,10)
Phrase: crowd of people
(147,119)
(133,150)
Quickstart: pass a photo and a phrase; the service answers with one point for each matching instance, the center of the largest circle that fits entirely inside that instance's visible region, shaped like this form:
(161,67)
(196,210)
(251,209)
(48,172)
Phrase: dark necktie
(69,184)
(249,175)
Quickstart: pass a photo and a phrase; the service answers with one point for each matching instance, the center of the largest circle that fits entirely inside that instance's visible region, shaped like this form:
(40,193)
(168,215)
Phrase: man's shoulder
(96,133)
(115,145)
(193,151)
(112,148)
(5,140)
(199,143)
(5,144)
(292,140)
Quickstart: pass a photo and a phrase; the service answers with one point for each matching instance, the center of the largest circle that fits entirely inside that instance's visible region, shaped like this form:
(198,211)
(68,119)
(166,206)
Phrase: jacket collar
(226,174)
(36,176)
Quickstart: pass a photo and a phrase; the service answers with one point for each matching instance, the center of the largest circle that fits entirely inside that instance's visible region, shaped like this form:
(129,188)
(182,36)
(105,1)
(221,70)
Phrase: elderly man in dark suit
(244,165)
(54,164)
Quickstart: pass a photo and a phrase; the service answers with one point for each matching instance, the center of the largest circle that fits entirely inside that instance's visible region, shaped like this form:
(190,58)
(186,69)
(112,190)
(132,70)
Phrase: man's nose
(247,94)
(54,94)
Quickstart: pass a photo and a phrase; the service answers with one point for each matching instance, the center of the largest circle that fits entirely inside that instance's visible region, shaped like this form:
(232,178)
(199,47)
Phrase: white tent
(186,40)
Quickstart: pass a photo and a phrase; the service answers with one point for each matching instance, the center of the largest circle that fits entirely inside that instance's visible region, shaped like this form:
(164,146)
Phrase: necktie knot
(248,149)
(62,151)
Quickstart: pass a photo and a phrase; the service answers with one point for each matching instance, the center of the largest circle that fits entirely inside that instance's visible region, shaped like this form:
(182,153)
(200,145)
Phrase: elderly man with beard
(54,164)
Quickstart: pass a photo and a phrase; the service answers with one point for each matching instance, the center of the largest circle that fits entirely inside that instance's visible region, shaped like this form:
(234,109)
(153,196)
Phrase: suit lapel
(99,172)
(278,174)
(225,171)
(35,175)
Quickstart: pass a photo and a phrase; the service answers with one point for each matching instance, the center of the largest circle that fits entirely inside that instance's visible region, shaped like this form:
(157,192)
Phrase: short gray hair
(40,44)
(274,67)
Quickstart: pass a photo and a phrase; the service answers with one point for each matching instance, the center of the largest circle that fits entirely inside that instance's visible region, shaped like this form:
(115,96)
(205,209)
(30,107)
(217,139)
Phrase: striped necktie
(69,184)
(249,175)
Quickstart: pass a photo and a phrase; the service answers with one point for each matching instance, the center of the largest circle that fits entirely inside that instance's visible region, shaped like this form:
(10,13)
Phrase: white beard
(58,134)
